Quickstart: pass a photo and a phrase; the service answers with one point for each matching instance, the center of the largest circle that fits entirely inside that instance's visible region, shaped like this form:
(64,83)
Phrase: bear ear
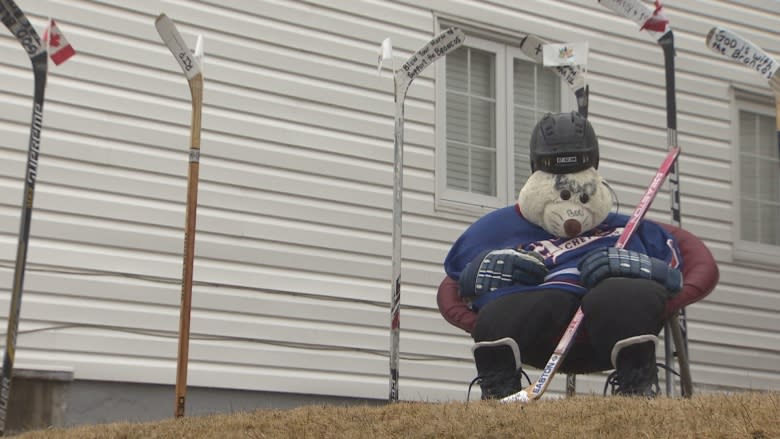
(536,193)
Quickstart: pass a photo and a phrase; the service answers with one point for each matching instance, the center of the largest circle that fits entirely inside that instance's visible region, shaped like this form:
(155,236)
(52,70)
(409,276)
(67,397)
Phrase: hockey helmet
(563,143)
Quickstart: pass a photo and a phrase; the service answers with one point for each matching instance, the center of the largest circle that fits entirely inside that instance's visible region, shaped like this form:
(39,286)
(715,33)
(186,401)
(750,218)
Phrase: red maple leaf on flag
(54,41)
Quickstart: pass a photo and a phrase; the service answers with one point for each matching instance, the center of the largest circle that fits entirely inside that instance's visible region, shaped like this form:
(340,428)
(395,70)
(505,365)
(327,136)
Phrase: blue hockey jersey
(507,228)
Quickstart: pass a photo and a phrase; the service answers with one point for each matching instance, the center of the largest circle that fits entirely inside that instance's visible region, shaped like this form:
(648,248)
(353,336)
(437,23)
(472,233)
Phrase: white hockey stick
(574,76)
(190,64)
(438,47)
(658,27)
(20,27)
(741,50)
(536,389)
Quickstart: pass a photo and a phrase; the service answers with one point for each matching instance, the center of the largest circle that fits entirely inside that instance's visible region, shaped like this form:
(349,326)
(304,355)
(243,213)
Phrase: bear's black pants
(615,309)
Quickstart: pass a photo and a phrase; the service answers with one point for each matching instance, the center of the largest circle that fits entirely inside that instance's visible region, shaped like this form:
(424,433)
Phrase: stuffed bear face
(565,205)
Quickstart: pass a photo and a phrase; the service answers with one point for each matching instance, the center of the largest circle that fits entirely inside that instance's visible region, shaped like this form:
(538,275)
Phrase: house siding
(293,245)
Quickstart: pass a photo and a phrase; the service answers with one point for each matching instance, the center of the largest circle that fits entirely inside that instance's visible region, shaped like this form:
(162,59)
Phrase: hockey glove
(494,269)
(602,263)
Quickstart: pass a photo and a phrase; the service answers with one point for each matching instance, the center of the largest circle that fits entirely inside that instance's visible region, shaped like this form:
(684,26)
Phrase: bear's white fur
(541,201)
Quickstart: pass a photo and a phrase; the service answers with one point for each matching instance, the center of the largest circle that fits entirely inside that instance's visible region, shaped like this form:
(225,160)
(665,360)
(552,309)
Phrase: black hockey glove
(602,263)
(494,269)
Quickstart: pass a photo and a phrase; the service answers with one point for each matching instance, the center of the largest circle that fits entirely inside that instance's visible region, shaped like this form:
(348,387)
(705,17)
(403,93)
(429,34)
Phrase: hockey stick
(574,76)
(658,27)
(438,47)
(531,45)
(192,70)
(20,27)
(535,390)
(738,49)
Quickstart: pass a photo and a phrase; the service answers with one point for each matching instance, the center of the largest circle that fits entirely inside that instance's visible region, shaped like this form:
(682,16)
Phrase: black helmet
(563,143)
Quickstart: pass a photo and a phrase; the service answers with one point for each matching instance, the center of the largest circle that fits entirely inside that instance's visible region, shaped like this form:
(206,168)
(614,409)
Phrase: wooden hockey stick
(574,76)
(20,27)
(438,47)
(536,389)
(192,70)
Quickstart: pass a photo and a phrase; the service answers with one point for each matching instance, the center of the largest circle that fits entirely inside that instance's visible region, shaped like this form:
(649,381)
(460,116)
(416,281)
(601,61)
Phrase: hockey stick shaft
(536,389)
(675,330)
(667,44)
(196,89)
(438,47)
(192,70)
(20,27)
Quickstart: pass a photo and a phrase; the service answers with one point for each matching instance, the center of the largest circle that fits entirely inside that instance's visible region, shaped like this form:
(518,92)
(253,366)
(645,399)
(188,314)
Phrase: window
(493,95)
(759,178)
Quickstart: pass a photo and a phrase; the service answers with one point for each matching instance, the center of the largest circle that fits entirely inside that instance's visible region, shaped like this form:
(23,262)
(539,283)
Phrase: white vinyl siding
(293,244)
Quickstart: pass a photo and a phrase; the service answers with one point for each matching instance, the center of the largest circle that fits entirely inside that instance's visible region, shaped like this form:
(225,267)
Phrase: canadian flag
(59,48)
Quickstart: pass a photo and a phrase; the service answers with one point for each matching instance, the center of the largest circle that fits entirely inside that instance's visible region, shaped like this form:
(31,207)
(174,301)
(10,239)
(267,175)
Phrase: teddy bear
(526,269)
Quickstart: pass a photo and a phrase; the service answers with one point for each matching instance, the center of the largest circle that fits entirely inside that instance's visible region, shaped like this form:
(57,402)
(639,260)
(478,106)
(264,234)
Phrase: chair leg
(571,384)
(686,381)
(668,360)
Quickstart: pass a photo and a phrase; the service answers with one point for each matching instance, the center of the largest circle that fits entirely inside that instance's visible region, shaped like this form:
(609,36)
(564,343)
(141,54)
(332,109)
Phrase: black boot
(498,367)
(636,373)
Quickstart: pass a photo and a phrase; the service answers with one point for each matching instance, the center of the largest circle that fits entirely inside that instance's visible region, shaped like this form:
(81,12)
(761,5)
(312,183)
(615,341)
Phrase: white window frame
(748,251)
(447,199)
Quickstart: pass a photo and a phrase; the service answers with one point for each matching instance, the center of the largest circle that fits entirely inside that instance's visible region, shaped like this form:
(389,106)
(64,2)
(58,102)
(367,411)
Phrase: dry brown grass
(749,415)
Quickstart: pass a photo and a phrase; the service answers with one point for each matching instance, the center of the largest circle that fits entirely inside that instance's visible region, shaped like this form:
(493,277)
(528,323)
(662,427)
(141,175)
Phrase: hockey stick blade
(535,390)
(636,11)
(20,27)
(439,46)
(173,39)
(741,50)
(574,76)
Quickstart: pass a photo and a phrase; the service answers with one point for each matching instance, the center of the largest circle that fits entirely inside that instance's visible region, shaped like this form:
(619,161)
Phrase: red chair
(700,275)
